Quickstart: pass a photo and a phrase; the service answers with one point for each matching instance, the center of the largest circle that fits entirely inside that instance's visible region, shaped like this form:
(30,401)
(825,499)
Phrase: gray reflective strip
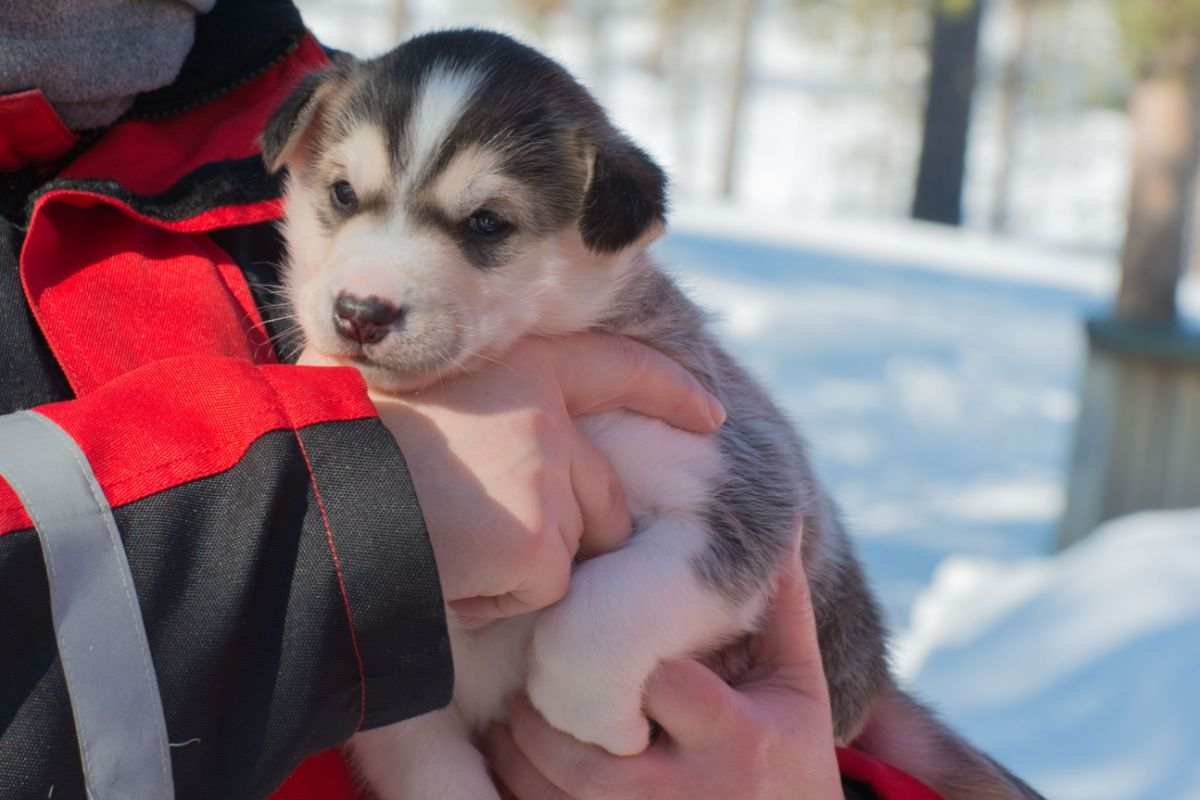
(101,640)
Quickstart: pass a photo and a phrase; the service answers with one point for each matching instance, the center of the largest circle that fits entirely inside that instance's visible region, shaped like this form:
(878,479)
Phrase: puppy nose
(366,320)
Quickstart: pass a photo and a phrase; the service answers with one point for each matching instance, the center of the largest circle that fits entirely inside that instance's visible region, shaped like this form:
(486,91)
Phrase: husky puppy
(463,191)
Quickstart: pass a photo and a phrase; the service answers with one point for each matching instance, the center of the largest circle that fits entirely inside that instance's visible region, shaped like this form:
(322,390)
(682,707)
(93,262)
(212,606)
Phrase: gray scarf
(92,57)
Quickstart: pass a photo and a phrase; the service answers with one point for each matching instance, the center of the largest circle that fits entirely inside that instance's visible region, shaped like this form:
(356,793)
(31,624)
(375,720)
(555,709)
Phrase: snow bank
(1081,671)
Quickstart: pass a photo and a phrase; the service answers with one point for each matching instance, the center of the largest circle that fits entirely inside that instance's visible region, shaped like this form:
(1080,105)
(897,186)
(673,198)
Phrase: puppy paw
(589,715)
(595,700)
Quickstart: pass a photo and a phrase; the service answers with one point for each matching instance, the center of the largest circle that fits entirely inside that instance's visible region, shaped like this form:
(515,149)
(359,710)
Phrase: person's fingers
(601,372)
(690,702)
(579,769)
(606,521)
(515,770)
(555,538)
(552,568)
(788,642)
(477,611)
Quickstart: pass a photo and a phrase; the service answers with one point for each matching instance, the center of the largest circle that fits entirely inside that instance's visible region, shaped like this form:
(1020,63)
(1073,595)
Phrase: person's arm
(282,570)
(281,565)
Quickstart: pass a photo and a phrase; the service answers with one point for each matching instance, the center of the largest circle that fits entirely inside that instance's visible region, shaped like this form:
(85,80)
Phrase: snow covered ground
(1080,672)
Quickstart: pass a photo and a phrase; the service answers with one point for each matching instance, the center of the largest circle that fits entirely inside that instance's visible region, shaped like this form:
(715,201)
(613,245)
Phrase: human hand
(768,739)
(510,490)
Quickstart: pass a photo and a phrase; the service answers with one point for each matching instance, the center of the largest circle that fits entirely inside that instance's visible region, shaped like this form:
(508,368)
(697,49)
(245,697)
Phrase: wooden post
(1137,441)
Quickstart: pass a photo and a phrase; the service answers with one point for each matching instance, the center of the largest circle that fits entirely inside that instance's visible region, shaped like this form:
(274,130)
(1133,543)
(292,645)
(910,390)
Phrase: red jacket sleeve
(879,781)
(282,568)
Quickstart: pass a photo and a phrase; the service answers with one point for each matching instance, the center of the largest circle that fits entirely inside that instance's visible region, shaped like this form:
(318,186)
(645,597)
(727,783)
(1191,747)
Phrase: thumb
(601,498)
(689,701)
(787,645)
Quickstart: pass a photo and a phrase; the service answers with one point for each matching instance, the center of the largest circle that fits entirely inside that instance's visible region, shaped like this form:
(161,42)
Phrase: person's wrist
(377,525)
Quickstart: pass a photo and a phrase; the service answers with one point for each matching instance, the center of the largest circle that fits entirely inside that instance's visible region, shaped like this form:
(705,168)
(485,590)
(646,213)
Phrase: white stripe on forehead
(442,98)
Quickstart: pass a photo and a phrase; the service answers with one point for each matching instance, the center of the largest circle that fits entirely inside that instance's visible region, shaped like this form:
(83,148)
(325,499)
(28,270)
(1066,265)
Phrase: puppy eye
(487,225)
(342,195)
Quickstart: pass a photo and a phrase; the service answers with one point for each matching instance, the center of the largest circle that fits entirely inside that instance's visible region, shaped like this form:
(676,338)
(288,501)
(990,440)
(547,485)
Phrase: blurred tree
(1012,88)
(671,21)
(953,48)
(542,9)
(402,18)
(669,60)
(735,101)
(1163,37)
(953,45)
(596,14)
(670,18)
(540,12)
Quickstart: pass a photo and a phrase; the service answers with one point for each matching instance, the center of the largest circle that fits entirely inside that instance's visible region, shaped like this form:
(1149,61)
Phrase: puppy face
(450,197)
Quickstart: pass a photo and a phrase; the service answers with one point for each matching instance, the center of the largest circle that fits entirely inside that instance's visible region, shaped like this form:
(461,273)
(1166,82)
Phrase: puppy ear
(626,195)
(291,129)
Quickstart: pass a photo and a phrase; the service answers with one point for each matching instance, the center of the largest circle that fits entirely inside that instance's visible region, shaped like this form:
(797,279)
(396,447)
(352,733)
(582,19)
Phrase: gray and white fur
(464,191)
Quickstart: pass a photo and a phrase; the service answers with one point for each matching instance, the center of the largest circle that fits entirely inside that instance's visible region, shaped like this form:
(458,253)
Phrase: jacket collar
(235,42)
(103,265)
(187,157)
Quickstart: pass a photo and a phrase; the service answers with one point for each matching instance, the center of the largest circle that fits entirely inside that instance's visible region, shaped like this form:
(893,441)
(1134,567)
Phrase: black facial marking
(327,218)
(484,252)
(540,122)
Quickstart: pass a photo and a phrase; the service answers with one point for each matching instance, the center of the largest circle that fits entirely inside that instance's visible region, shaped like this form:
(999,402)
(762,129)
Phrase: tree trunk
(1011,92)
(1166,130)
(668,29)
(952,54)
(596,16)
(679,79)
(401,18)
(745,11)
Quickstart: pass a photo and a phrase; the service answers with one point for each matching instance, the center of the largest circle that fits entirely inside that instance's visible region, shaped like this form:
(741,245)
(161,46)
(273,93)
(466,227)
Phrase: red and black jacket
(282,569)
(285,580)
